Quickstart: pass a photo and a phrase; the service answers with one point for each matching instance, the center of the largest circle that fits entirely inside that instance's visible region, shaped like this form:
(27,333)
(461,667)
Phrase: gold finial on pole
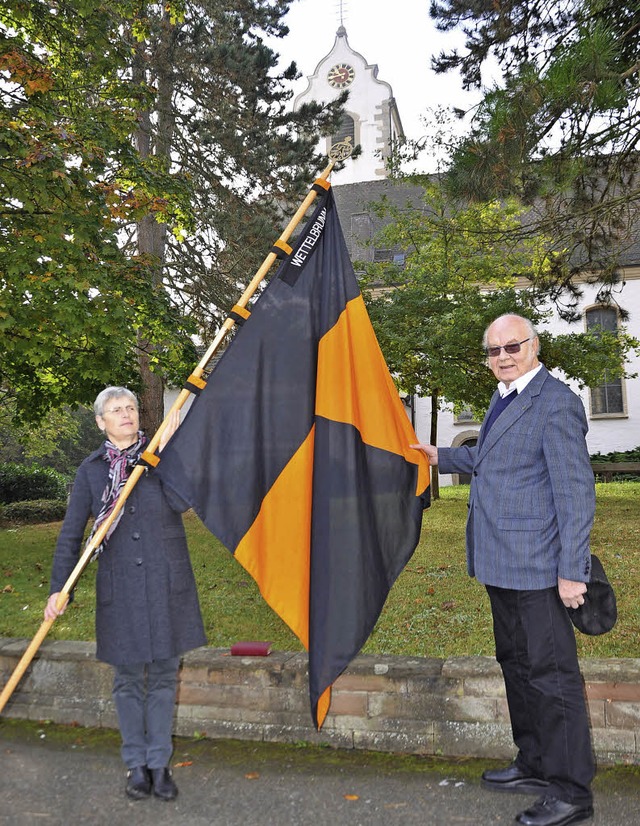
(341,150)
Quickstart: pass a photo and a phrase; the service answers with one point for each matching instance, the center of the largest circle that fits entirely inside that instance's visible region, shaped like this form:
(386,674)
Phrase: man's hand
(571,593)
(430,451)
(50,610)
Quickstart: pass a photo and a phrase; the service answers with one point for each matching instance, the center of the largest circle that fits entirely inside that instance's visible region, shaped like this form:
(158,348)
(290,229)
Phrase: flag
(296,455)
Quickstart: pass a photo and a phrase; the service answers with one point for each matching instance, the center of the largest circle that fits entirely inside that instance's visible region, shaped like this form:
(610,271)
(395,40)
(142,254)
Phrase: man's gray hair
(112,393)
(529,325)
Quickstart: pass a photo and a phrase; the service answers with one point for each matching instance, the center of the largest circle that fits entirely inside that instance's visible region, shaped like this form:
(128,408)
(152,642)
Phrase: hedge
(33,512)
(21,483)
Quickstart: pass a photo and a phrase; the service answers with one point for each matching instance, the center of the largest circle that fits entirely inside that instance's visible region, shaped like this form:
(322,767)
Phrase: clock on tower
(340,75)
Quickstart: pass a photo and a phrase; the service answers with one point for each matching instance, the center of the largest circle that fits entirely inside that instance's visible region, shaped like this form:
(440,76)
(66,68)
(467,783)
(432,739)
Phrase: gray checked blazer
(532,498)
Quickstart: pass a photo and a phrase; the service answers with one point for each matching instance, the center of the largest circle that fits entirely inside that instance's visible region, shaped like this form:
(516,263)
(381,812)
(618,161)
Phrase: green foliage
(560,127)
(618,456)
(588,357)
(19,483)
(461,271)
(71,299)
(33,512)
(60,441)
(632,455)
(146,153)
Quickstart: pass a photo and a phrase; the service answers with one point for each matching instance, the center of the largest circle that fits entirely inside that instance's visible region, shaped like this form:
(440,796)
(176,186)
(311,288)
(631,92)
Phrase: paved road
(52,775)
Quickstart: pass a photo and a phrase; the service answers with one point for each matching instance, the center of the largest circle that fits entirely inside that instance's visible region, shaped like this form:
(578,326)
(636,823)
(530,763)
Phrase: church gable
(371,118)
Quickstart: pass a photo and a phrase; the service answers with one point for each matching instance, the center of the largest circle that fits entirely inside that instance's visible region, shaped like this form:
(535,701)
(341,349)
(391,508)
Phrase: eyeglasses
(118,411)
(492,352)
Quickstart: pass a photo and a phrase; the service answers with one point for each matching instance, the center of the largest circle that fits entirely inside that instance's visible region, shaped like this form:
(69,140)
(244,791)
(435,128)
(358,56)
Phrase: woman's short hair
(112,393)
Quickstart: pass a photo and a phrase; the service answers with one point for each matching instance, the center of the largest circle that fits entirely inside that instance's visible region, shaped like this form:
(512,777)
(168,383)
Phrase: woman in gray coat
(147,611)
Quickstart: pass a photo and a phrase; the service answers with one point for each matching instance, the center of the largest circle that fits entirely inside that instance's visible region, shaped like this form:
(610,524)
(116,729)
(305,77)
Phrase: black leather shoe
(513,779)
(163,785)
(138,783)
(549,811)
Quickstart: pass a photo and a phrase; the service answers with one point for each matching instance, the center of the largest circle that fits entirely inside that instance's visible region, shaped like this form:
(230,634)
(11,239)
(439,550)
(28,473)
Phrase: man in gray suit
(531,508)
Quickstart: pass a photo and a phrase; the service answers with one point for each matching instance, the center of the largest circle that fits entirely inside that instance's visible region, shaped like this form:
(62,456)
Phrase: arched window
(608,397)
(347,129)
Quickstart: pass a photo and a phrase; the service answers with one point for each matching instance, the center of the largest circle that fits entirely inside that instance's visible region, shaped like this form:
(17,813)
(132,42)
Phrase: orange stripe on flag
(275,549)
(354,386)
(324,701)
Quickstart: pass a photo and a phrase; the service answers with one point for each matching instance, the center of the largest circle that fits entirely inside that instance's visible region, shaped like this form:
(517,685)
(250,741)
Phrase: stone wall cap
(470,667)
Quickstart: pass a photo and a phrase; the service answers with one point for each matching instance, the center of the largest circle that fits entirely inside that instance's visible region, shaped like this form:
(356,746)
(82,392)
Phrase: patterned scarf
(121,463)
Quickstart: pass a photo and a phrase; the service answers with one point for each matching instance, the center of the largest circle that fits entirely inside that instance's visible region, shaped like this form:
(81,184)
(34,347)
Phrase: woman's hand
(51,611)
(172,425)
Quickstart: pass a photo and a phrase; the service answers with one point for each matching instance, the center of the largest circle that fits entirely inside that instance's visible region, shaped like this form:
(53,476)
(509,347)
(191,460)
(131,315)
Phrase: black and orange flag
(296,455)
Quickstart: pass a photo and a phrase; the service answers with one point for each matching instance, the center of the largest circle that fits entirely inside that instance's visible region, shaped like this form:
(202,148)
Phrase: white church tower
(371,116)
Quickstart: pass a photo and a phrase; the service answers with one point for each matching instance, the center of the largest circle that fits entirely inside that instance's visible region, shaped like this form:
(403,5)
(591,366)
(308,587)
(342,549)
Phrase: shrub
(20,483)
(617,456)
(33,512)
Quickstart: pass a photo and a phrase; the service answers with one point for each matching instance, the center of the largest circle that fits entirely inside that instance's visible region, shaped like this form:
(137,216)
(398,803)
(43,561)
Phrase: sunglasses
(492,352)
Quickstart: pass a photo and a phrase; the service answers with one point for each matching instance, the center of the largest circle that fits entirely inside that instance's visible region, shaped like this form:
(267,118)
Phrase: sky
(397,35)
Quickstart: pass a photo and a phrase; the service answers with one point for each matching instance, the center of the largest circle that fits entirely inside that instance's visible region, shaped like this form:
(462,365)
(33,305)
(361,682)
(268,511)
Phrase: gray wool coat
(146,600)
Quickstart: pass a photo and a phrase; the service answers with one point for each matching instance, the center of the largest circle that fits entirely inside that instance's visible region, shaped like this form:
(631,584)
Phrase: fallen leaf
(352,797)
(8,589)
(183,764)
(252,775)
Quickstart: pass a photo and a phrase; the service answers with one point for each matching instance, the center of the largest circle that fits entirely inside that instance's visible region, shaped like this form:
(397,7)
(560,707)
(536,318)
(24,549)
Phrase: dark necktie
(503,401)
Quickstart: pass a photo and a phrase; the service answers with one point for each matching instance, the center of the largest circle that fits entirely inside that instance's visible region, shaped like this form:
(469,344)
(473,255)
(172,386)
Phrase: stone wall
(450,707)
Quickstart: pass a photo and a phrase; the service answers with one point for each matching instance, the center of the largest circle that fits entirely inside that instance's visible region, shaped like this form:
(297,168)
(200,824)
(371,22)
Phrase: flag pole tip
(341,150)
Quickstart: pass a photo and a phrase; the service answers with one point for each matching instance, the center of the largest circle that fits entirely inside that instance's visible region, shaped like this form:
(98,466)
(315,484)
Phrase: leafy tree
(146,154)
(70,297)
(561,126)
(59,441)
(465,265)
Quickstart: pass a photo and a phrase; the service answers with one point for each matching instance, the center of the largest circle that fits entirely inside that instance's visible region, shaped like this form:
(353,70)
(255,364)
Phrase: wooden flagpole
(149,454)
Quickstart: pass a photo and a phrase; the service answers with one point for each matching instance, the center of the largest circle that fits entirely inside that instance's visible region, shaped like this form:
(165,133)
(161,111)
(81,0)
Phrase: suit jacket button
(138,561)
(135,536)
(132,509)
(475,472)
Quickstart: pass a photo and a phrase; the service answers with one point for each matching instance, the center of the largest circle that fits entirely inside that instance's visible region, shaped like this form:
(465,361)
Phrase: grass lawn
(434,609)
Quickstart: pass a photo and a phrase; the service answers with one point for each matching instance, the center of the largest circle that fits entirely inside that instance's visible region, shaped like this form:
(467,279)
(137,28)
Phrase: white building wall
(370,104)
(606,433)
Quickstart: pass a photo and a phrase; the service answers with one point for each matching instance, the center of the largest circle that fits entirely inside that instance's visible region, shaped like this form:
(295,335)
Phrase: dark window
(607,398)
(465,478)
(347,129)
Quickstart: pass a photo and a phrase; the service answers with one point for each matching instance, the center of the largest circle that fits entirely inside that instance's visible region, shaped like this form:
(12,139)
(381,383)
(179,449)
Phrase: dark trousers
(536,649)
(145,696)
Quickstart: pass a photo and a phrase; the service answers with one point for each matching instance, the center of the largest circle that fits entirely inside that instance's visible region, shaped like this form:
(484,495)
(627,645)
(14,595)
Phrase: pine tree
(561,125)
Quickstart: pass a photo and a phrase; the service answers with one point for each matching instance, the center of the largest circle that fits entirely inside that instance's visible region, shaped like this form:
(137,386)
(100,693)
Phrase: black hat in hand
(599,612)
